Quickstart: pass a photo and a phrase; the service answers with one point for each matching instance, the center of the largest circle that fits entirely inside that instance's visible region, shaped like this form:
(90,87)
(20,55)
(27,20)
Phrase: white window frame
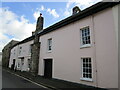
(48,45)
(81,41)
(84,78)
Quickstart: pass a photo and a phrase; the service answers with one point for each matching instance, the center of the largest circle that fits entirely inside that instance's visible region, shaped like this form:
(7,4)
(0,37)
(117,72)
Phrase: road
(0,77)
(12,81)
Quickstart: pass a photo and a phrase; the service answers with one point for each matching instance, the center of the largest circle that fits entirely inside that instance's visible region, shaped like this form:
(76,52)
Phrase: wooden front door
(48,68)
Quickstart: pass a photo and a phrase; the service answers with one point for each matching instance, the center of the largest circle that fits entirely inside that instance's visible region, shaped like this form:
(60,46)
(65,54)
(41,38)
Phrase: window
(20,50)
(20,47)
(18,64)
(86,69)
(22,62)
(29,62)
(14,52)
(85,37)
(50,44)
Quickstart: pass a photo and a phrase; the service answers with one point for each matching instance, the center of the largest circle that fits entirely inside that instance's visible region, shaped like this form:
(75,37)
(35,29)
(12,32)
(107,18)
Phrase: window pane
(86,75)
(88,41)
(86,65)
(49,47)
(90,71)
(89,65)
(83,60)
(83,75)
(84,70)
(88,37)
(87,70)
(83,65)
(84,42)
(86,60)
(89,59)
(90,75)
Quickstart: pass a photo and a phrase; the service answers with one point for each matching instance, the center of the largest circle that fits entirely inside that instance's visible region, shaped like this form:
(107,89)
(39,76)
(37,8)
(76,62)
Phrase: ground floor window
(29,63)
(86,68)
(18,64)
(22,62)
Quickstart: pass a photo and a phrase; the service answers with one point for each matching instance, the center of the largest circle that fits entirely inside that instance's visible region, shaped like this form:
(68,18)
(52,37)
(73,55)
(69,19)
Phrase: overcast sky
(18,19)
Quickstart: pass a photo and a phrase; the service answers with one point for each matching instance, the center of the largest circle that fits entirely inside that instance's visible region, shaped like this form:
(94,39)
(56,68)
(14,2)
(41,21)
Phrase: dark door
(48,68)
(13,65)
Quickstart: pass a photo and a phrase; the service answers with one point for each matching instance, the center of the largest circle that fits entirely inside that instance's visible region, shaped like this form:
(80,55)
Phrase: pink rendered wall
(67,52)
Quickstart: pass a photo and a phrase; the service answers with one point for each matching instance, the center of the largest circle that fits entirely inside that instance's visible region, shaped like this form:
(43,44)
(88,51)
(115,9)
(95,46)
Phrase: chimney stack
(40,22)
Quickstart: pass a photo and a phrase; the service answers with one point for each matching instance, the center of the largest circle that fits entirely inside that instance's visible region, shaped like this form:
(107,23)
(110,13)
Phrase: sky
(18,19)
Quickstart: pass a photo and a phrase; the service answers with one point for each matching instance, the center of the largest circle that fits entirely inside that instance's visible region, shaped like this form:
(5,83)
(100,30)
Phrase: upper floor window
(14,52)
(50,44)
(20,48)
(85,37)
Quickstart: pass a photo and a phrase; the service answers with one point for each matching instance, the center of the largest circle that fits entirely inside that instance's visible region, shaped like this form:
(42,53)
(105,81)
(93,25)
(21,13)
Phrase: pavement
(54,84)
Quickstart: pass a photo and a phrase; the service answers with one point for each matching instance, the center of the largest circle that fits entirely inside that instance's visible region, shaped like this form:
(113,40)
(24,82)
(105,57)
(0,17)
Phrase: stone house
(6,52)
(82,48)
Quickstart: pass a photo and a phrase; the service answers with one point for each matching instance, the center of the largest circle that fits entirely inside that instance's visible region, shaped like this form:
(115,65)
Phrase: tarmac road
(0,77)
(12,81)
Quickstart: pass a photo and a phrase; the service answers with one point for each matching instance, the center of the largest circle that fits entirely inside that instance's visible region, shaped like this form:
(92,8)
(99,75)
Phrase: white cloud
(37,12)
(80,3)
(53,12)
(42,8)
(12,25)
(85,3)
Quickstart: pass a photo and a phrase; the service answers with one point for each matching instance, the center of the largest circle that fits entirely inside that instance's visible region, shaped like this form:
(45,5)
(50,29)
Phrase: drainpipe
(94,50)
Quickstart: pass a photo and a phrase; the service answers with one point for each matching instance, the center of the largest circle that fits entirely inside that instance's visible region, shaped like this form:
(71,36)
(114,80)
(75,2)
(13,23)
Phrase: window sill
(86,46)
(86,79)
(49,51)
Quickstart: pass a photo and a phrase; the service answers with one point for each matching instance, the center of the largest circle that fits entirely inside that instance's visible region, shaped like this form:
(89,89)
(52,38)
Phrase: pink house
(82,48)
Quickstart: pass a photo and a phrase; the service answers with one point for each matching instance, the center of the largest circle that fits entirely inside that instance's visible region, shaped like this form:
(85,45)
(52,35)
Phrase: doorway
(13,65)
(48,68)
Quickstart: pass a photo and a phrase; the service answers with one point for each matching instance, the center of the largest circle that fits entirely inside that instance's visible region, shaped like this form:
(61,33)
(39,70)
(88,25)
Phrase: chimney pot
(76,10)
